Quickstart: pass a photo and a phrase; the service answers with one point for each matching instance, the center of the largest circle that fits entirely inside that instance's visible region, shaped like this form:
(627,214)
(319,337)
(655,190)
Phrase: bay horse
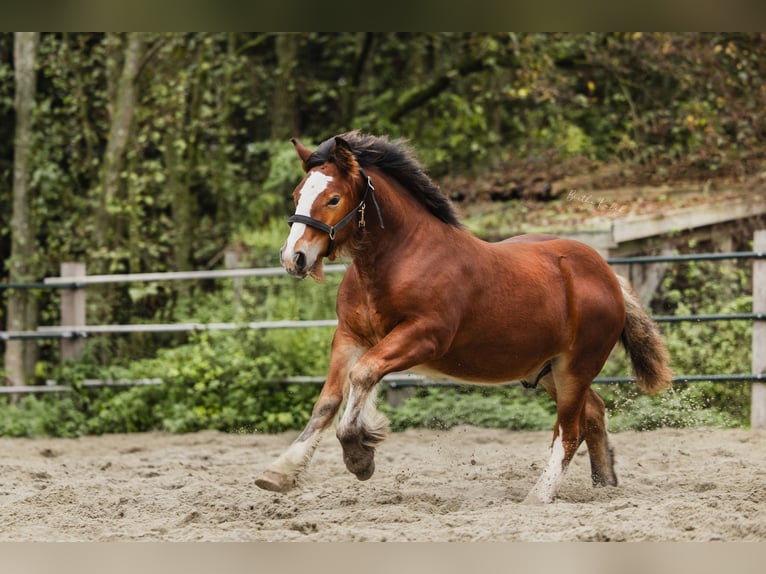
(423,294)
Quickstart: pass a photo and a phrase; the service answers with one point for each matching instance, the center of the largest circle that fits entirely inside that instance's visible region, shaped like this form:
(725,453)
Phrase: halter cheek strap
(332,230)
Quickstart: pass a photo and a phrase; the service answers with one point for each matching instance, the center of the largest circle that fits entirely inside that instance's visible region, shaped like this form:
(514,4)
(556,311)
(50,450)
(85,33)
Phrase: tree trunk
(20,356)
(123,109)
(182,208)
(284,118)
(351,93)
(181,164)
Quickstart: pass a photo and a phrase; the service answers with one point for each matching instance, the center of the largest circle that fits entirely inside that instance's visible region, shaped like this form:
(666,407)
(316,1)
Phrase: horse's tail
(644,344)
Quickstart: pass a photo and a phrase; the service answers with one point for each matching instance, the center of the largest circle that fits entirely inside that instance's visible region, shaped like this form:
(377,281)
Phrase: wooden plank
(641,227)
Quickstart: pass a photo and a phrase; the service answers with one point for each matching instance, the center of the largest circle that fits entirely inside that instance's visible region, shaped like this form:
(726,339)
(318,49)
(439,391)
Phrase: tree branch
(428,92)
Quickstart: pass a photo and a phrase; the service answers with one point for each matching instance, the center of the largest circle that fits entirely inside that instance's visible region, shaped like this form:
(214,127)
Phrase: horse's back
(536,247)
(531,238)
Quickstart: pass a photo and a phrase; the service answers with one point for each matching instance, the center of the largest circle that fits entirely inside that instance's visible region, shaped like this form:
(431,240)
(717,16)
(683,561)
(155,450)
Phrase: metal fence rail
(686,257)
(85,331)
(69,283)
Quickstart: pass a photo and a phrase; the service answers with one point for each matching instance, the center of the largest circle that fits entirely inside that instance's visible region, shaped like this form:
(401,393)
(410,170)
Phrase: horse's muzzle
(299,261)
(297,265)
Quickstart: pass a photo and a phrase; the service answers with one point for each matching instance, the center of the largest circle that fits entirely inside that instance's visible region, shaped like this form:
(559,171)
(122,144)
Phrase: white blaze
(315,184)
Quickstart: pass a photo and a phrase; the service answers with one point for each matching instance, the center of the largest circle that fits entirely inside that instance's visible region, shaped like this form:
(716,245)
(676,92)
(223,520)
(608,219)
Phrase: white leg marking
(370,417)
(296,458)
(315,184)
(350,407)
(548,483)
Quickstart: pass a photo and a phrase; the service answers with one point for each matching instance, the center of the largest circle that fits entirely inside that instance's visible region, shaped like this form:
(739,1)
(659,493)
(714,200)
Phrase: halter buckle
(361,223)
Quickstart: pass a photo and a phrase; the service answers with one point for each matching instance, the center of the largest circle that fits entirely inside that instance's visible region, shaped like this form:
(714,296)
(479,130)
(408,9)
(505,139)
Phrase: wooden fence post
(758,405)
(72,309)
(231,261)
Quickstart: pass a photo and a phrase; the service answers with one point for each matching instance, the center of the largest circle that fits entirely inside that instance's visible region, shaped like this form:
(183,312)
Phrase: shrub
(502,407)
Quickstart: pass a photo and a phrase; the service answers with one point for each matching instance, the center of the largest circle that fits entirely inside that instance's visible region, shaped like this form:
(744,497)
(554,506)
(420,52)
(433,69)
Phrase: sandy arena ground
(459,485)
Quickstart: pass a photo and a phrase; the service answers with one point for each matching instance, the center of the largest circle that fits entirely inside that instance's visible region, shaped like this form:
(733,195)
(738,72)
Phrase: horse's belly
(485,368)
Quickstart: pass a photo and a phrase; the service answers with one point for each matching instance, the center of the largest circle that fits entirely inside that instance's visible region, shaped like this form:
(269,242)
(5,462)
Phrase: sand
(465,484)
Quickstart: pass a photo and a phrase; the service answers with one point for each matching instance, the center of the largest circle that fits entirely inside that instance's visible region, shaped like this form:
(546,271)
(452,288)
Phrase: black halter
(332,230)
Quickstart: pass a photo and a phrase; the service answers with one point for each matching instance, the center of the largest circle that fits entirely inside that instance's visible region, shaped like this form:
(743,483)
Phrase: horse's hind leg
(593,425)
(569,386)
(580,416)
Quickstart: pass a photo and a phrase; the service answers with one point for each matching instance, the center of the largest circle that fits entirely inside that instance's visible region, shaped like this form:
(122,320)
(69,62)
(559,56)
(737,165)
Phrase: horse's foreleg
(285,472)
(361,429)
(362,426)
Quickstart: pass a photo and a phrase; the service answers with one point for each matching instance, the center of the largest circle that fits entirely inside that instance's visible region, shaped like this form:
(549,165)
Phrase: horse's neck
(406,224)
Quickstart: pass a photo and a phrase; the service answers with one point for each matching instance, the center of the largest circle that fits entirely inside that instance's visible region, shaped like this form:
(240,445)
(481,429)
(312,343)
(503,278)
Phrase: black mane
(397,159)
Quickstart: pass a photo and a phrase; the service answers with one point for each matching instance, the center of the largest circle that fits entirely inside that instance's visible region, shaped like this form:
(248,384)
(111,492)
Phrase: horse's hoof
(275,481)
(367,472)
(600,482)
(362,465)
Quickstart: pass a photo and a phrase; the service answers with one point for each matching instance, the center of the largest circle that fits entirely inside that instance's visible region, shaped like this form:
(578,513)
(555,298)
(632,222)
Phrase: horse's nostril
(300,260)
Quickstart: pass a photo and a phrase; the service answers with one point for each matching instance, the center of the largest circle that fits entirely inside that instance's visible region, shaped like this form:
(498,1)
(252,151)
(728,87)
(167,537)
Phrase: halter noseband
(332,230)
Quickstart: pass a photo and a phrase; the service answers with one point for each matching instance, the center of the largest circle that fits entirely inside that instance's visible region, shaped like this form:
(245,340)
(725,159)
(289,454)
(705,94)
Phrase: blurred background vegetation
(158,152)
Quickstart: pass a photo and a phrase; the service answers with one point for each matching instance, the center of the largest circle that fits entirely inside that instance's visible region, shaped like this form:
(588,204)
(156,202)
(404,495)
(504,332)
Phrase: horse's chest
(367,317)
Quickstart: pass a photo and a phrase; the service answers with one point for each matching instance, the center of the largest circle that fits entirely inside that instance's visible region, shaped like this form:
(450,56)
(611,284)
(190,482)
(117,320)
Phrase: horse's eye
(334,201)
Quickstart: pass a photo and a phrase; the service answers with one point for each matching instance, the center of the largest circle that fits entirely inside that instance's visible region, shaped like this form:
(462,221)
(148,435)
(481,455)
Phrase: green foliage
(711,347)
(43,416)
(504,407)
(223,381)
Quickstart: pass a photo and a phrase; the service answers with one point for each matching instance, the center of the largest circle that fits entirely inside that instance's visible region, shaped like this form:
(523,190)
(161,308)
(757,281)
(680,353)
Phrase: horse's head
(326,200)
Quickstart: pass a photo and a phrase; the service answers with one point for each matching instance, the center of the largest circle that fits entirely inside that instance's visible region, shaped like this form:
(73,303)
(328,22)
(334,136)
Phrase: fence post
(72,309)
(231,261)
(758,405)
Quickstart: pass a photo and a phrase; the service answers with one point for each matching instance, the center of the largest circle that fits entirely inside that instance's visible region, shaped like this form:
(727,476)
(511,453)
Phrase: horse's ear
(345,158)
(303,152)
